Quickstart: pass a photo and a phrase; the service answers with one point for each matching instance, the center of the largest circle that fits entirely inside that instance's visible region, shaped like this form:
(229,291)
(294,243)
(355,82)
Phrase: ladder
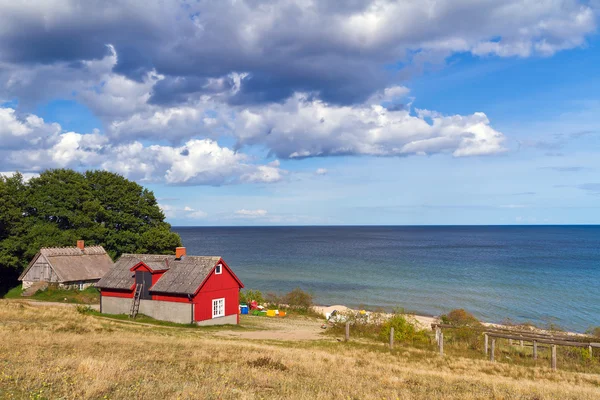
(135,303)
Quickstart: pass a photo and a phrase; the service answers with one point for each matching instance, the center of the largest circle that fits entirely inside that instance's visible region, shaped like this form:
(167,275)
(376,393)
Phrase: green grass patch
(144,319)
(90,295)
(14,293)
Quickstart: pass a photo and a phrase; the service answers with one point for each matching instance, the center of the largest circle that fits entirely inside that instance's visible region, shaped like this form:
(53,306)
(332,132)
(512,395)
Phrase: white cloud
(513,206)
(26,176)
(197,162)
(321,171)
(306,127)
(243,213)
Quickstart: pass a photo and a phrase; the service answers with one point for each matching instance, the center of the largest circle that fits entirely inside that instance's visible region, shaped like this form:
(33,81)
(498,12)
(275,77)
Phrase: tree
(12,195)
(61,206)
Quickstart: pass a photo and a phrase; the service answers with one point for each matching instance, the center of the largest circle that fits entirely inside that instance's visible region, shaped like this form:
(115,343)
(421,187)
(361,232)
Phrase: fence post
(437,335)
(535,349)
(554,357)
(591,352)
(485,343)
(441,342)
(521,343)
(392,338)
(493,349)
(347,331)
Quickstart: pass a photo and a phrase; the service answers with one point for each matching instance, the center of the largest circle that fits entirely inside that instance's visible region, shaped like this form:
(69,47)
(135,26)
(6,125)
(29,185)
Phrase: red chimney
(179,252)
(80,244)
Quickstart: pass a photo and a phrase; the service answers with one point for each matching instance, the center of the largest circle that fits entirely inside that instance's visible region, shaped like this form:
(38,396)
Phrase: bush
(594,331)
(404,330)
(460,317)
(246,296)
(299,299)
(272,300)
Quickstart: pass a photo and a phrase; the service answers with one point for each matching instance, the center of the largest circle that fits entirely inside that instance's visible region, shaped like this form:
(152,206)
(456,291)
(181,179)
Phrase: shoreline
(425,321)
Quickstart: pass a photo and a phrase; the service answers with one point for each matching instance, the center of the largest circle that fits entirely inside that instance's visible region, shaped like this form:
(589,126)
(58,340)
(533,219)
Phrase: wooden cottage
(68,267)
(179,288)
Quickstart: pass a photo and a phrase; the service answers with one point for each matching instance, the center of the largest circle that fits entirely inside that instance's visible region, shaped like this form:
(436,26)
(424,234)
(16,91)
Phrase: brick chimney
(179,252)
(80,244)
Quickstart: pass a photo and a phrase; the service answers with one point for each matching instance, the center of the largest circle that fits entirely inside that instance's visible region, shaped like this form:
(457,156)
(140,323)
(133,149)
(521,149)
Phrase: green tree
(62,205)
(12,196)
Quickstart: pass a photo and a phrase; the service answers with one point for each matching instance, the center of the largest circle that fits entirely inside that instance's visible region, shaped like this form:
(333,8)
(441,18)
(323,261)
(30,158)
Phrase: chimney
(179,252)
(80,244)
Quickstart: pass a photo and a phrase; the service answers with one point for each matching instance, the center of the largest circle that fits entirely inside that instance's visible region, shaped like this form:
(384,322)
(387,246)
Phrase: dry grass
(53,352)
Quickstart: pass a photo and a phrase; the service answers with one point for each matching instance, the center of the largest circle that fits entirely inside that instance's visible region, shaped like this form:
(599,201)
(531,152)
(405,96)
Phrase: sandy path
(289,328)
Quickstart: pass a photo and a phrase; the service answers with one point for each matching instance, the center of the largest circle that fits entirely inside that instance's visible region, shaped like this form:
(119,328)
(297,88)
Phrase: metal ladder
(135,304)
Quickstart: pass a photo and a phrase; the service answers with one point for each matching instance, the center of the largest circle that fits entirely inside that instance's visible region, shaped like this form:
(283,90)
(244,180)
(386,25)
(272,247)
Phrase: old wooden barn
(68,267)
(177,288)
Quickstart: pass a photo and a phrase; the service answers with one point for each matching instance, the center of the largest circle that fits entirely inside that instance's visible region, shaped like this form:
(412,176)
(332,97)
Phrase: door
(145,278)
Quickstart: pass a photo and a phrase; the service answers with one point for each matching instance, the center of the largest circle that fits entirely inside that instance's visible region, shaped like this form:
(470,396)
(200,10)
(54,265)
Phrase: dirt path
(277,329)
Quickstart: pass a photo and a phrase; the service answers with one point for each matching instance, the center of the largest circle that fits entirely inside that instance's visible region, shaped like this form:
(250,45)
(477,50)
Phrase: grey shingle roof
(182,276)
(185,276)
(73,264)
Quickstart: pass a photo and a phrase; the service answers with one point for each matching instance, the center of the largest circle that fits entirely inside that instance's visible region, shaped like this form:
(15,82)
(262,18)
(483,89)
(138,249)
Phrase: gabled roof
(182,276)
(73,264)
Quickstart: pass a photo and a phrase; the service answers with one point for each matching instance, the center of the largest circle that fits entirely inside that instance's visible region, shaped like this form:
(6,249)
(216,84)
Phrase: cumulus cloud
(196,162)
(307,127)
(284,46)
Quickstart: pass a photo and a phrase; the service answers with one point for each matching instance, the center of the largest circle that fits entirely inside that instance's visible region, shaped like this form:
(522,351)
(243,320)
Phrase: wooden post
(437,335)
(392,338)
(347,331)
(535,349)
(510,342)
(485,343)
(493,349)
(591,352)
(554,357)
(521,343)
(441,343)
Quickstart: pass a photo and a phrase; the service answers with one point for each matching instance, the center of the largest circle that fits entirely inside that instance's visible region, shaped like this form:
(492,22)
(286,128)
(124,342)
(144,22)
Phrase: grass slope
(56,352)
(89,295)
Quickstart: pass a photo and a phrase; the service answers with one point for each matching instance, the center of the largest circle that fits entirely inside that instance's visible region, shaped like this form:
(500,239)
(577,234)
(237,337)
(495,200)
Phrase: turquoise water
(540,274)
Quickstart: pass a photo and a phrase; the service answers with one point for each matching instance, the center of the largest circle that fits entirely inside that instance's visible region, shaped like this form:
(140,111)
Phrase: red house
(179,288)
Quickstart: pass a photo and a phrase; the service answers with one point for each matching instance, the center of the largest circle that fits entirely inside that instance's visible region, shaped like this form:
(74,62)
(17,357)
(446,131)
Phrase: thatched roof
(181,277)
(72,264)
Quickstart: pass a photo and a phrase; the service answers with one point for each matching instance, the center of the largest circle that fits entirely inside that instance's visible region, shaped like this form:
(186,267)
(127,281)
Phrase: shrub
(594,331)
(299,299)
(460,317)
(404,330)
(272,300)
(246,296)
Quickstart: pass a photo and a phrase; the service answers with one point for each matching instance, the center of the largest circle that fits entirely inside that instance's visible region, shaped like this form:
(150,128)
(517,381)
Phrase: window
(218,269)
(218,308)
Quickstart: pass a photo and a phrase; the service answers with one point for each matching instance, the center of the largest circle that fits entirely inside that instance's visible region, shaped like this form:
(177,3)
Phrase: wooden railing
(551,338)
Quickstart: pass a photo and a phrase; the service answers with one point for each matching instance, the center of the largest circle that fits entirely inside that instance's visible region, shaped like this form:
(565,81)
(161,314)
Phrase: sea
(546,275)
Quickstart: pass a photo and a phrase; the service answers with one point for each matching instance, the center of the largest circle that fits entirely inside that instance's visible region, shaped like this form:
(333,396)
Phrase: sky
(302,112)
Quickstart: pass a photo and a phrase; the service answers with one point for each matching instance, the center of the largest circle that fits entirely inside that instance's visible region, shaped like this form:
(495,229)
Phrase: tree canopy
(61,206)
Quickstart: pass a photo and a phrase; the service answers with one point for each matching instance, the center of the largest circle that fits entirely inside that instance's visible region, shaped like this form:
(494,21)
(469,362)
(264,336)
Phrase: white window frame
(219,269)
(218,307)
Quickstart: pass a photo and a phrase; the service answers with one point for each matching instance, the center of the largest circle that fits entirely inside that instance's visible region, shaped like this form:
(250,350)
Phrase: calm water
(547,274)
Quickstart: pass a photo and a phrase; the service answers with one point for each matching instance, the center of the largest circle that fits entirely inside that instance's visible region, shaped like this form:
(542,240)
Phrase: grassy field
(90,295)
(57,352)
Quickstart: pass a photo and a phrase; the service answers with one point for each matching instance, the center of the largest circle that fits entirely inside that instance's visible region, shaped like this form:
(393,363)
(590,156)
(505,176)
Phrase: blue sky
(302,113)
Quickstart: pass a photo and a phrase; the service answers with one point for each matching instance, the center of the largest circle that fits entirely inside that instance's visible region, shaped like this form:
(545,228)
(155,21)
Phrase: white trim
(218,308)
(219,269)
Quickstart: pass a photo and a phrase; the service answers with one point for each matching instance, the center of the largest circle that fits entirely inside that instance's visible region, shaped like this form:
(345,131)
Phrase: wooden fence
(551,339)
